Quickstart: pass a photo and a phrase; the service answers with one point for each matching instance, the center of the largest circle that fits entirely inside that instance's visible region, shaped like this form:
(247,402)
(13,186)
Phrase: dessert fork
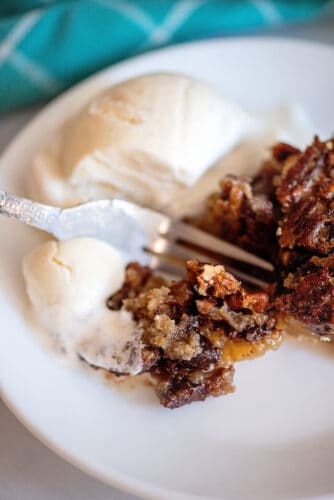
(143,234)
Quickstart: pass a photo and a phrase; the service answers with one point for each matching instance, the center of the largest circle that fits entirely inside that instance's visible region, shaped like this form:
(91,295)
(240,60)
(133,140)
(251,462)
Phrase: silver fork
(142,234)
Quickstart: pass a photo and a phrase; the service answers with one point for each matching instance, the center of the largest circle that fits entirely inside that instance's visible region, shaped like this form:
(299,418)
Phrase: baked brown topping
(239,210)
(305,193)
(309,294)
(306,197)
(193,330)
(286,213)
(186,324)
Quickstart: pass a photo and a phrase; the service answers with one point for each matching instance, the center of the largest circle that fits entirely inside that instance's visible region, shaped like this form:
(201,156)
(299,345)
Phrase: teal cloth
(47,46)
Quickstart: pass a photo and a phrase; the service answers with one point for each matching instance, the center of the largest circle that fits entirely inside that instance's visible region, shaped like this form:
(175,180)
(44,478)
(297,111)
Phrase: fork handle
(29,212)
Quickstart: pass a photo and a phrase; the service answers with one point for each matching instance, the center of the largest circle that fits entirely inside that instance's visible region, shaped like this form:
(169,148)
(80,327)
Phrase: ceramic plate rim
(117,479)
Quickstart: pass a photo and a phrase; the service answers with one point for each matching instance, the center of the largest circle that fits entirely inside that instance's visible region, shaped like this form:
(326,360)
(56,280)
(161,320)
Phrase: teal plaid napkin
(47,46)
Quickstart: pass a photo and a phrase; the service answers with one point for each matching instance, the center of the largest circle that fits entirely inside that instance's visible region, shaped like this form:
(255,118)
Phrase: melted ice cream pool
(68,284)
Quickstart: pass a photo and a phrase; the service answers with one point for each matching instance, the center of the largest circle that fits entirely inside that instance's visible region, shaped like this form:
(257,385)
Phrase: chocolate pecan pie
(286,213)
(193,330)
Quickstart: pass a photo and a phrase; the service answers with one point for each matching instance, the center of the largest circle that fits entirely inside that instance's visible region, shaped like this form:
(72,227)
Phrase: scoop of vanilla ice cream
(74,275)
(146,139)
(68,284)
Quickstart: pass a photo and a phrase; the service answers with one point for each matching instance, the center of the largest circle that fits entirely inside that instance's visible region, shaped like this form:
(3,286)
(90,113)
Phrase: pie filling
(286,214)
(193,330)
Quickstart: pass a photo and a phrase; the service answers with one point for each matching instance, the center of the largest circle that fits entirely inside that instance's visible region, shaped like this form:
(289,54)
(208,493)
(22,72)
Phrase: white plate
(273,438)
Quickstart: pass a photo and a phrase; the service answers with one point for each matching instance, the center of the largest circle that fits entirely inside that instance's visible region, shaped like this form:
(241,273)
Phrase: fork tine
(155,222)
(168,266)
(172,241)
(206,241)
(173,255)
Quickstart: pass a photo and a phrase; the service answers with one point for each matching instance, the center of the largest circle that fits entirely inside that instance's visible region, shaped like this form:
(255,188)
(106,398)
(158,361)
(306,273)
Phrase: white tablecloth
(28,470)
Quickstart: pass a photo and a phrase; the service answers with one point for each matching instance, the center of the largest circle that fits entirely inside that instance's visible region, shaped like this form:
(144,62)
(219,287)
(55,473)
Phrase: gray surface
(28,470)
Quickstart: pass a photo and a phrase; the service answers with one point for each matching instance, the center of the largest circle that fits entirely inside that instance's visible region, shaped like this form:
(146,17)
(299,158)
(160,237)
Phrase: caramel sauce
(240,349)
